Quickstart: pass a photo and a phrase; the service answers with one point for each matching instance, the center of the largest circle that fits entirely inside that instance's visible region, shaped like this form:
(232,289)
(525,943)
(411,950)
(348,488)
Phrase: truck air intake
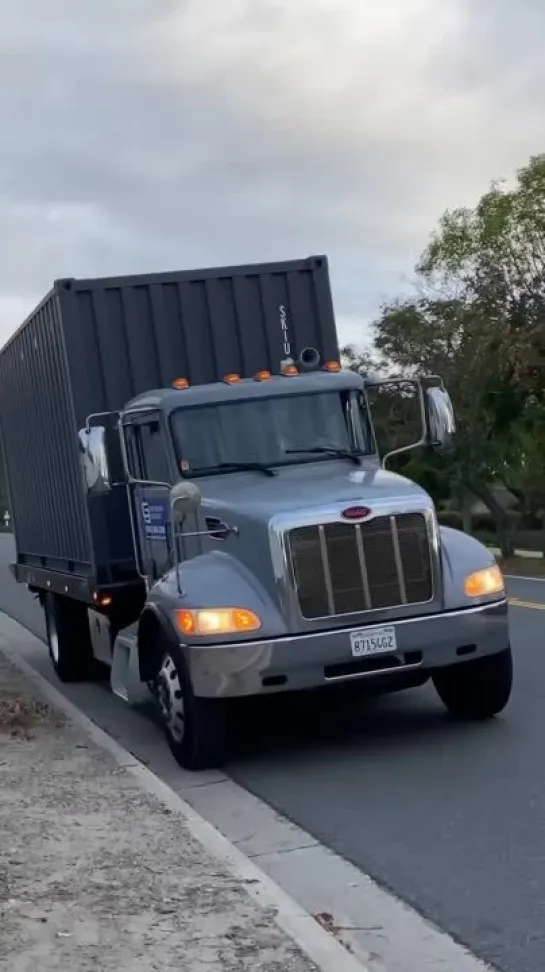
(347,568)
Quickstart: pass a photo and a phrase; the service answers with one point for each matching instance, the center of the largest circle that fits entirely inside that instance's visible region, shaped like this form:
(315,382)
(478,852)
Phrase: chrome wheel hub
(170,699)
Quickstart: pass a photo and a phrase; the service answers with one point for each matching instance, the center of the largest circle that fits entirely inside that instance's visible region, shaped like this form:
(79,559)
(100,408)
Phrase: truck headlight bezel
(216,621)
(487,582)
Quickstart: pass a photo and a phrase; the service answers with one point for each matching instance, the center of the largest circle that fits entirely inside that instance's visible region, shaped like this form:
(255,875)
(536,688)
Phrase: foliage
(478,320)
(364,362)
(494,256)
(452,340)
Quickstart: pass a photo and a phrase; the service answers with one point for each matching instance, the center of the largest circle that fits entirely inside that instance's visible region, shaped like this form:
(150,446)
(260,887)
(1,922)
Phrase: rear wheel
(69,639)
(196,729)
(478,689)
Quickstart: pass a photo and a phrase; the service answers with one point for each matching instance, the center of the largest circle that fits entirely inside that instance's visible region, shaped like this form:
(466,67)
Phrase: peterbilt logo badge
(356,513)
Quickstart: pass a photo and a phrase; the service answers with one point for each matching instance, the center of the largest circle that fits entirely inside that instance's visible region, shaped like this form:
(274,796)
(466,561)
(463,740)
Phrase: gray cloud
(152,134)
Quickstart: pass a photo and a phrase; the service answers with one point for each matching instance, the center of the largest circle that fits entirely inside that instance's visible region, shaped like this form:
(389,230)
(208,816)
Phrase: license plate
(373,641)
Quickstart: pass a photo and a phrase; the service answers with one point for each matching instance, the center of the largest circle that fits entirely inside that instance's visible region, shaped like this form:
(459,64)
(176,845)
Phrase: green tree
(453,338)
(397,422)
(478,320)
(493,256)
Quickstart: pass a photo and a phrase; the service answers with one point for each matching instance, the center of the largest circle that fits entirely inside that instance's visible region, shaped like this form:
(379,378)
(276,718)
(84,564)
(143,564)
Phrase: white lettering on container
(286,345)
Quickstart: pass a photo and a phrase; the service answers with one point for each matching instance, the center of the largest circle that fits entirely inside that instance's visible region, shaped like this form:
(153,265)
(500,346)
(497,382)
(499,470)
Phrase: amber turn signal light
(103,600)
(485,582)
(216,621)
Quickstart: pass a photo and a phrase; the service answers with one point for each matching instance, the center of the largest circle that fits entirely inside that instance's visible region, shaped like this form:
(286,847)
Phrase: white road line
(521,577)
(297,877)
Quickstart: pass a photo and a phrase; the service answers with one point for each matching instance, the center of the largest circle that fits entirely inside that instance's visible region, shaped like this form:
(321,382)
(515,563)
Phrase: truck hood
(305,486)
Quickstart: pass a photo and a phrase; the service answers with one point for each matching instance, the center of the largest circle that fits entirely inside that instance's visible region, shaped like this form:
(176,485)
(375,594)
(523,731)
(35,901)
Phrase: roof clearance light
(231,379)
(332,366)
(262,376)
(289,371)
(180,384)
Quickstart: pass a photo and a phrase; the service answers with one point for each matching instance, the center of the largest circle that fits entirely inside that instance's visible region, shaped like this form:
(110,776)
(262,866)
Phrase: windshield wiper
(238,467)
(328,451)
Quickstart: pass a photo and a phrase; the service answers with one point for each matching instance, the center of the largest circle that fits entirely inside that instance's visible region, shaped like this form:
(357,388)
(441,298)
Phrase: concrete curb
(316,943)
(526,554)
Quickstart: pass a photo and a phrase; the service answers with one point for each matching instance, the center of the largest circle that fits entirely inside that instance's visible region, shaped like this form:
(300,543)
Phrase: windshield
(269,432)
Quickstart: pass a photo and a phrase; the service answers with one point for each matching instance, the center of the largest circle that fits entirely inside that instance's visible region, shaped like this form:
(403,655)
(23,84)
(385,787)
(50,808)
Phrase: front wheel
(195,728)
(476,690)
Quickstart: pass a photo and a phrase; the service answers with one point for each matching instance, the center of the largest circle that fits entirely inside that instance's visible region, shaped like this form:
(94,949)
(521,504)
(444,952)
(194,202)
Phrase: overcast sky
(165,134)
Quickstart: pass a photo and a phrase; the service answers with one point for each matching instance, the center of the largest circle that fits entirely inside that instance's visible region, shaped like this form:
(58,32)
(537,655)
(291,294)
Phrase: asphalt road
(449,817)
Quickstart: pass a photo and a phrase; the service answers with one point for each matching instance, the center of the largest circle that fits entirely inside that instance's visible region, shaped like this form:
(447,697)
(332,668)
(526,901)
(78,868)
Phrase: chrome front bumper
(325,658)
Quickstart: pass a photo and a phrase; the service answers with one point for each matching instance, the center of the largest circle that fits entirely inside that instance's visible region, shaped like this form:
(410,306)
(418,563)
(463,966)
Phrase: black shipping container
(92,345)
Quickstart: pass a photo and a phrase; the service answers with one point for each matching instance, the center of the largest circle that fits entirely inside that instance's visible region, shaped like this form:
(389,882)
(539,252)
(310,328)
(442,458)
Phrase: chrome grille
(345,568)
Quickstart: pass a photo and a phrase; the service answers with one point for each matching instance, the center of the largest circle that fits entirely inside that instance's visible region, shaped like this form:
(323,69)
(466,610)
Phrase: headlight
(485,582)
(217,621)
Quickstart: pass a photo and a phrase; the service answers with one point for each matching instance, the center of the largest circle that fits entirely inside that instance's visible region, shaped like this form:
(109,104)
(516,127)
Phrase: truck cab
(277,554)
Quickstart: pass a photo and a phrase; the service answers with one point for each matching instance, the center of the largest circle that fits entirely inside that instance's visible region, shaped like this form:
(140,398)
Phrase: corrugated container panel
(49,505)
(92,345)
(138,333)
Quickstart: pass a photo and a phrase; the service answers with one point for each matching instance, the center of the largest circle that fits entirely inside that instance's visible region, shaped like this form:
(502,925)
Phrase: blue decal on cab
(156,515)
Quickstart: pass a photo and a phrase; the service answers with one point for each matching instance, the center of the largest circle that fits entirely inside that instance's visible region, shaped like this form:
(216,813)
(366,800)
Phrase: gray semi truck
(199,504)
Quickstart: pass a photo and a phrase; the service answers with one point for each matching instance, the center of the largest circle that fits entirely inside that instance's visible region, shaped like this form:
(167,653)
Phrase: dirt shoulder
(97,875)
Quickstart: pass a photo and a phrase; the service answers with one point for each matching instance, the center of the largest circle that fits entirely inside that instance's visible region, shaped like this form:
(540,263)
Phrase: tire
(196,729)
(476,690)
(69,639)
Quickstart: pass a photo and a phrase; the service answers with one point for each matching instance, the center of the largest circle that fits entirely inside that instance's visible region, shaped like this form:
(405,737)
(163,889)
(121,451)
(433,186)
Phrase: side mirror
(185,498)
(94,457)
(441,423)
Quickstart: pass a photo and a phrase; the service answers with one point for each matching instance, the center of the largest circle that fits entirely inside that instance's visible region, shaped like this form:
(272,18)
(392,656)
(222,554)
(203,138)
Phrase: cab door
(150,474)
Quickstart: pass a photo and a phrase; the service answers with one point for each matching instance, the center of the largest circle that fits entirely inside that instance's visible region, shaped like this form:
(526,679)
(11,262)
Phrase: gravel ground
(95,875)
